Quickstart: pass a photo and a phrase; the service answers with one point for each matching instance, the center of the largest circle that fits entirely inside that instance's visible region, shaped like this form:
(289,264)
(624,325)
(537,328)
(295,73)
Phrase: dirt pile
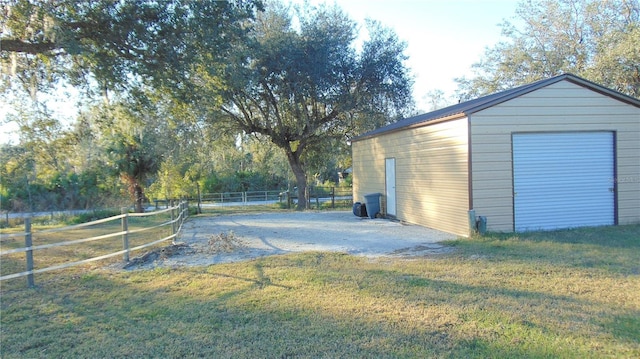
(218,244)
(224,243)
(159,254)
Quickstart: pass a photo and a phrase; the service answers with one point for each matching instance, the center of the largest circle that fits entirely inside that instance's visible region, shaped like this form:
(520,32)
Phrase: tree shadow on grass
(300,305)
(510,321)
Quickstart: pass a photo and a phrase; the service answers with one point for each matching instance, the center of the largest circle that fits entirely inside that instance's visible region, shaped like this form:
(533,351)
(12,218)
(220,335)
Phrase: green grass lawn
(568,294)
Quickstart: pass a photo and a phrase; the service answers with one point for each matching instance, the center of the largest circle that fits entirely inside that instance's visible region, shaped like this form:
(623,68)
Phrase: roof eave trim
(604,90)
(456,116)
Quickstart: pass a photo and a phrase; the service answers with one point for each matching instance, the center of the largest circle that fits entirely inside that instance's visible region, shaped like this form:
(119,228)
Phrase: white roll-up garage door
(563,180)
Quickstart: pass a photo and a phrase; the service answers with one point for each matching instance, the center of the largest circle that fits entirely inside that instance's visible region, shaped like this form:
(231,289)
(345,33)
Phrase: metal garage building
(558,153)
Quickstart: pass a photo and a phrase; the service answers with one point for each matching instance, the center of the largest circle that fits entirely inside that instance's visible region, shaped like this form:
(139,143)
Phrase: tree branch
(271,98)
(16,45)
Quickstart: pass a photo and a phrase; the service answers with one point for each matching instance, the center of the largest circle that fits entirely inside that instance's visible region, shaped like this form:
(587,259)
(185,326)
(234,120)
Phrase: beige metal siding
(562,106)
(431,173)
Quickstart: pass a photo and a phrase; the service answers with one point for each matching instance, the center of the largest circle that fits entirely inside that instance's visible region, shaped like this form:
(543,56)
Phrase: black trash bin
(372,200)
(359,209)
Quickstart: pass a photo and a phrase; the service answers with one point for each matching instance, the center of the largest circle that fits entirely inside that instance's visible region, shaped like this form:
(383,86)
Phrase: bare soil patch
(222,239)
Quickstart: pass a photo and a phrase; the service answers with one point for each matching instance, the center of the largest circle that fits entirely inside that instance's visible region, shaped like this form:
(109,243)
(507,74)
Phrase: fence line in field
(176,222)
(317,193)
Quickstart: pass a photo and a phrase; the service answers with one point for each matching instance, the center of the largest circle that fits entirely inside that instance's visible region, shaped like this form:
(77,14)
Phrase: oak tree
(301,81)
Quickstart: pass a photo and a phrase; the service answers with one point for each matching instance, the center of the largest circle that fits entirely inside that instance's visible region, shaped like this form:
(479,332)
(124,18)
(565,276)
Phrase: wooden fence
(178,215)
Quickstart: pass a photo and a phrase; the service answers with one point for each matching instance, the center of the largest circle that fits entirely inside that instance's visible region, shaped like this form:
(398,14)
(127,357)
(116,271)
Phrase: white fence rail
(178,213)
(315,194)
(244,198)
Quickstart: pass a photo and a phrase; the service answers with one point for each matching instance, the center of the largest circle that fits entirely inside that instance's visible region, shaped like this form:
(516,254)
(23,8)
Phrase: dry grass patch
(43,234)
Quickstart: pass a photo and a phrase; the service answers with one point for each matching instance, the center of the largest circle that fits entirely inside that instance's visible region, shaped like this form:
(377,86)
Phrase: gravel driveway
(230,238)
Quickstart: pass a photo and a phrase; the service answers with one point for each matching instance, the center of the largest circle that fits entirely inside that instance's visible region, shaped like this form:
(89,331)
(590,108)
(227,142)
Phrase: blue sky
(444,38)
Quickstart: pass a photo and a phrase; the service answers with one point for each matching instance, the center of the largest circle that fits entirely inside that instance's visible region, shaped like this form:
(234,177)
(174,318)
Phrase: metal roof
(469,107)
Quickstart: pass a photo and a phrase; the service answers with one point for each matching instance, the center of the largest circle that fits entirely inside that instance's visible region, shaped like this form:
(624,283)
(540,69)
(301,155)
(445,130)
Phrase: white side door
(390,184)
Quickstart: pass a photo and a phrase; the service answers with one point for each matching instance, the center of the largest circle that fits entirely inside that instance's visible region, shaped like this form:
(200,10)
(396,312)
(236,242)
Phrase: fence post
(333,197)
(173,218)
(199,209)
(28,243)
(185,212)
(125,235)
(181,214)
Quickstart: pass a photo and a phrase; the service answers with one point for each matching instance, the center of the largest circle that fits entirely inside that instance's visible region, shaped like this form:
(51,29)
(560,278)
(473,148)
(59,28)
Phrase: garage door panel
(566,187)
(558,197)
(563,180)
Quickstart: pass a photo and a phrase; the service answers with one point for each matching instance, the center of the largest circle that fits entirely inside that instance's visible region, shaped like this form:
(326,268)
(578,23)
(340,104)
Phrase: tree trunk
(301,179)
(139,195)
